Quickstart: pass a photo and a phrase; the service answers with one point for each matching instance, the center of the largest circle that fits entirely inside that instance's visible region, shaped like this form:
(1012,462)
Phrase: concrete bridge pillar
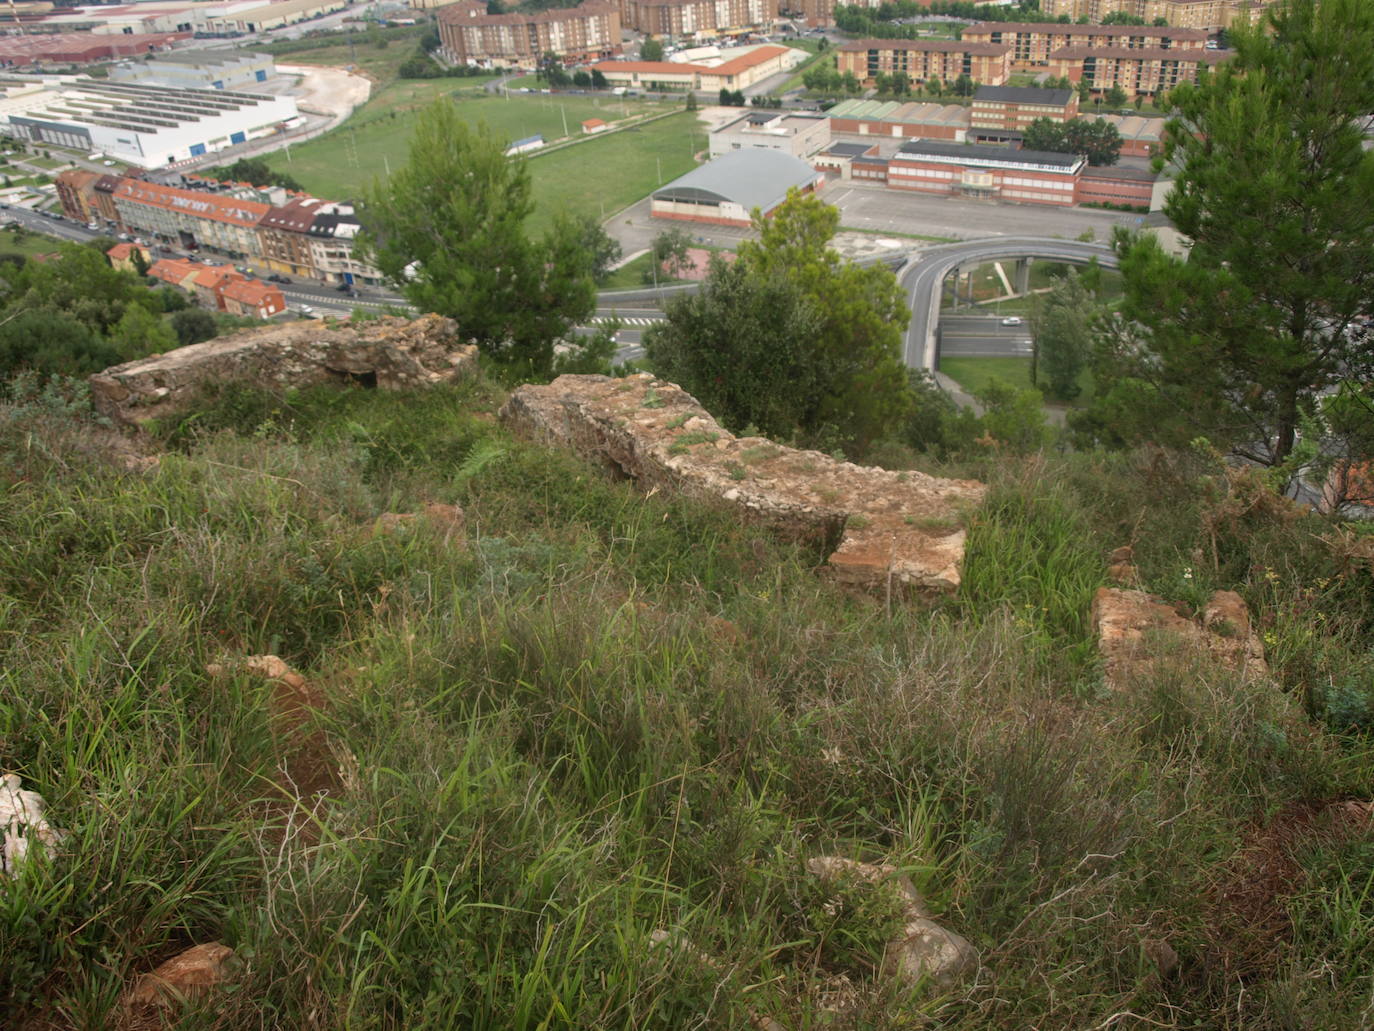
(1023,266)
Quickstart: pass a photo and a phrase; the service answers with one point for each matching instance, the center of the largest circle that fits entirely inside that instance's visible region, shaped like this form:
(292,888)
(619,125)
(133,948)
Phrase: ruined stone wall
(883,529)
(389,353)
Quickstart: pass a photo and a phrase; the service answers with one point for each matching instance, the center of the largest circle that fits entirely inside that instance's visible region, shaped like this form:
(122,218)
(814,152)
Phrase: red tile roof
(211,206)
(173,270)
(254,292)
(731,67)
(120,251)
(214,278)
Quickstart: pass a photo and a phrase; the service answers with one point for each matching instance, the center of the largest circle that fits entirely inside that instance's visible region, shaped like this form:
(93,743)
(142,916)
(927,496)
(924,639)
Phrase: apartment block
(190,219)
(1207,15)
(1144,72)
(818,12)
(284,237)
(468,35)
(922,59)
(695,19)
(1032,43)
(76,192)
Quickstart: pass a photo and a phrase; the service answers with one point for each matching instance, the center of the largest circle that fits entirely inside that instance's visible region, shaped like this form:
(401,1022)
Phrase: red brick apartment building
(921,59)
(1032,42)
(695,18)
(468,35)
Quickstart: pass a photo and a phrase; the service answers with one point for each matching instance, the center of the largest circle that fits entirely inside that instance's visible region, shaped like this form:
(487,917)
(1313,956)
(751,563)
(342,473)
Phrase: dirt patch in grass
(1248,918)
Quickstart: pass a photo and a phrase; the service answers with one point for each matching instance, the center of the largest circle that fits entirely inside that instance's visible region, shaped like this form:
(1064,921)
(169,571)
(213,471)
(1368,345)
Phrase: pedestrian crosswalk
(625,320)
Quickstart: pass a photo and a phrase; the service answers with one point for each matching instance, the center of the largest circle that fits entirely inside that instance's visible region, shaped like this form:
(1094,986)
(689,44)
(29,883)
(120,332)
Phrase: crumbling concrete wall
(883,529)
(389,353)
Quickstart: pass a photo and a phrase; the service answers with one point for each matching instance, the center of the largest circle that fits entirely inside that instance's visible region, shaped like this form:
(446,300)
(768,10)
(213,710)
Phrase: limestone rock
(390,353)
(1123,619)
(447,519)
(186,976)
(23,827)
(881,529)
(922,948)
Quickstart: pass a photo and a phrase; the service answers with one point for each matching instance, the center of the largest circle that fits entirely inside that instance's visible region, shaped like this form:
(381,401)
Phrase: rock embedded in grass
(1125,620)
(922,949)
(23,825)
(188,976)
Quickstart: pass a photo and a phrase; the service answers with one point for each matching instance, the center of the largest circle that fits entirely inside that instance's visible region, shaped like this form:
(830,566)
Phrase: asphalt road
(982,336)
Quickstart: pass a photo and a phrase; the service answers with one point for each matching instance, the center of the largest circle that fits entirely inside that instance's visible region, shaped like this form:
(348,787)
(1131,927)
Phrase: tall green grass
(597,716)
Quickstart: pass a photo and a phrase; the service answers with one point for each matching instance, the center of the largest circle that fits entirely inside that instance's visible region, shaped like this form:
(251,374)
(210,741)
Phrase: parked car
(275,278)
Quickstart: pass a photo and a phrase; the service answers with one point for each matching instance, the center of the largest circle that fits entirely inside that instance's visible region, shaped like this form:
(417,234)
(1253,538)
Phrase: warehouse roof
(909,113)
(752,178)
(974,153)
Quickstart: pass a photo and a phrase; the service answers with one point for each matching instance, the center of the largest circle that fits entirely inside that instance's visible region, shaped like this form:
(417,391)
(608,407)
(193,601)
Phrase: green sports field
(605,173)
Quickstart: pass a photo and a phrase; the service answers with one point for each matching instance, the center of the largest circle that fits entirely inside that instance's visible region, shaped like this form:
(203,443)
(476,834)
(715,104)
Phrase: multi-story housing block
(1139,72)
(1032,42)
(284,236)
(922,59)
(190,219)
(695,19)
(468,35)
(1207,15)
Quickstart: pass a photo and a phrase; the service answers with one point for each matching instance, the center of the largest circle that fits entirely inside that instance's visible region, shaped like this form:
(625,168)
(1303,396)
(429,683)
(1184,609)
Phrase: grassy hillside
(594,714)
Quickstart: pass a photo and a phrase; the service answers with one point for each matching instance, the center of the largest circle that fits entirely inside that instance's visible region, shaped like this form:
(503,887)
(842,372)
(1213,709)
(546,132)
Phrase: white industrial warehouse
(148,126)
(198,69)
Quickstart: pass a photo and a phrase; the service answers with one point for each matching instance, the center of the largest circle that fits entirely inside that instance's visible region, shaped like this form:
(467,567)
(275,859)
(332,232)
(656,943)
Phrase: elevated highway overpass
(924,275)
(921,274)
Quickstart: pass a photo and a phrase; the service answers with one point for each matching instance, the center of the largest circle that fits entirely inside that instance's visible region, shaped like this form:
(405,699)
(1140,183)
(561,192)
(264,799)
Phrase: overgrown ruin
(386,353)
(882,530)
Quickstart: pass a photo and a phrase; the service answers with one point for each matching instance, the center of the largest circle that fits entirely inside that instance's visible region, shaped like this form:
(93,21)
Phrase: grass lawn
(27,244)
(630,276)
(973,374)
(794,81)
(613,170)
(48,164)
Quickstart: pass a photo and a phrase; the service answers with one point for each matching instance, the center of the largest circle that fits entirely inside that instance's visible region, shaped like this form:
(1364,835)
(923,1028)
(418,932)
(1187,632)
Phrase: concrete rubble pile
(884,530)
(388,353)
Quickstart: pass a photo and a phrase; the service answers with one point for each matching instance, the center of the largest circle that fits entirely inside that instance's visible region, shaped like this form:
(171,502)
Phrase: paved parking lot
(879,209)
(882,212)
